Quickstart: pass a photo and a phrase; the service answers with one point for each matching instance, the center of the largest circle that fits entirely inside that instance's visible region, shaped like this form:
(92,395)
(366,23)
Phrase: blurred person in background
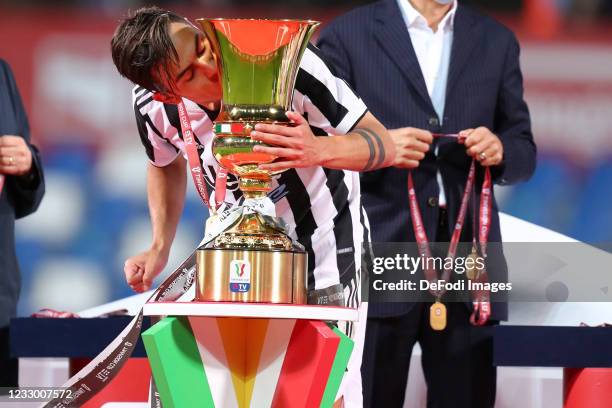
(426,67)
(172,61)
(21,191)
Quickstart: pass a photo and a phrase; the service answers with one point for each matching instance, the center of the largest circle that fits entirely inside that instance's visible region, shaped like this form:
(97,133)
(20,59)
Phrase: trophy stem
(255,187)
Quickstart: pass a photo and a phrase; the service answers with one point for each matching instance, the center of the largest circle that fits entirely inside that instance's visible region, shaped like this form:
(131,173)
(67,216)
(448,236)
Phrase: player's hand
(141,269)
(295,146)
(483,145)
(411,144)
(15,155)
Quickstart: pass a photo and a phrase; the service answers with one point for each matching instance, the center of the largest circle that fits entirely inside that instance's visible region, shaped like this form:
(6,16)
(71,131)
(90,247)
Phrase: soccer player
(171,61)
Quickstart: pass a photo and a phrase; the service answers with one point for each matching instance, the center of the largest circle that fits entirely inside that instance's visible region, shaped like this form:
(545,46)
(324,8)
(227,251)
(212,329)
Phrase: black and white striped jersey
(322,205)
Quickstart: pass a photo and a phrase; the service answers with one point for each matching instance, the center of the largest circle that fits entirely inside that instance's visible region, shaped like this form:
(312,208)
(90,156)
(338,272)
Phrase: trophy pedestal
(232,355)
(250,275)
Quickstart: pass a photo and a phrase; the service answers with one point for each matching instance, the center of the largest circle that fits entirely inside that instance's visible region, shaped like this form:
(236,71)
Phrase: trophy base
(256,232)
(257,276)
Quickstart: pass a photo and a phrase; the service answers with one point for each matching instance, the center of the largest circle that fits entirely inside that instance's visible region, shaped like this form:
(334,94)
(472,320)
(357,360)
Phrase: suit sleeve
(335,54)
(513,124)
(26,191)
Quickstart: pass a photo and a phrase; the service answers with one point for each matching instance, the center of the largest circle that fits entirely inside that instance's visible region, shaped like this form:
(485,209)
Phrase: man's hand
(140,270)
(411,144)
(15,156)
(483,145)
(295,146)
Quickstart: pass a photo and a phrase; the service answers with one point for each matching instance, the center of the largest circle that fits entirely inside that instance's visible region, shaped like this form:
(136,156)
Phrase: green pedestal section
(345,348)
(176,365)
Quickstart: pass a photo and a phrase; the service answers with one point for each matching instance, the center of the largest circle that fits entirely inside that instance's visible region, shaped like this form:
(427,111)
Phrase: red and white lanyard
(481,299)
(421,235)
(482,309)
(195,167)
(2,177)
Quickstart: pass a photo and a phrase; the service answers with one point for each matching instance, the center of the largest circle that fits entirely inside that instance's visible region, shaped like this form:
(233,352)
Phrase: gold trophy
(253,260)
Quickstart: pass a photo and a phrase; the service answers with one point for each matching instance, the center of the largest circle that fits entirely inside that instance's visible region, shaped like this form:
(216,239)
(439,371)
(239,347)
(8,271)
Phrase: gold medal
(437,316)
(472,271)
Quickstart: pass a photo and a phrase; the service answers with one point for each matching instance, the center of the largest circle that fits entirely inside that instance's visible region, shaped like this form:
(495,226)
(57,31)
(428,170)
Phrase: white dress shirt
(432,49)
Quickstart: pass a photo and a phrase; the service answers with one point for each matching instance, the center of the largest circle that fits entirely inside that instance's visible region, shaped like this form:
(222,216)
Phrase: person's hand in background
(483,145)
(15,156)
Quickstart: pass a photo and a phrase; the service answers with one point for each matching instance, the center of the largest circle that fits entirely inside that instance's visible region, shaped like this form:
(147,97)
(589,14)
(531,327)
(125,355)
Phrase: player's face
(195,76)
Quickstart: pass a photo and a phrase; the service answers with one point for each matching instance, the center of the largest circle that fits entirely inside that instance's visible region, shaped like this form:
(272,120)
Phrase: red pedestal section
(308,362)
(130,385)
(587,387)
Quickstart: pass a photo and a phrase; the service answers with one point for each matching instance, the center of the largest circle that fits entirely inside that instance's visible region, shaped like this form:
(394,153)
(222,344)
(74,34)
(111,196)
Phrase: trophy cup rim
(289,20)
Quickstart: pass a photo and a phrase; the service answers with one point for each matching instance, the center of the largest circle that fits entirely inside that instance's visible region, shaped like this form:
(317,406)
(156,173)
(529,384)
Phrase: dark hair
(142,49)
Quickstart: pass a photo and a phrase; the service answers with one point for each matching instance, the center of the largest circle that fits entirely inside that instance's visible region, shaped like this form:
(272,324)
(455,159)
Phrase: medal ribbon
(197,173)
(1,182)
(481,299)
(103,368)
(421,234)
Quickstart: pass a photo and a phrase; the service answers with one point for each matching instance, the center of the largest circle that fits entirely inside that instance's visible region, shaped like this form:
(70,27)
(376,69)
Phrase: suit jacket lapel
(466,35)
(393,37)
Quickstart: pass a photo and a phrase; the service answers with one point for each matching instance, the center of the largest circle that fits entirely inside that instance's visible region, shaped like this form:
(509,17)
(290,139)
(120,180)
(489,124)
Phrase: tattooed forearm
(368,135)
(368,139)
(381,148)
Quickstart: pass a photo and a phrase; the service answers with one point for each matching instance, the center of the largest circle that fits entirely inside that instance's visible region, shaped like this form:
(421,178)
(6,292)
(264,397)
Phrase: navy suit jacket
(19,197)
(370,48)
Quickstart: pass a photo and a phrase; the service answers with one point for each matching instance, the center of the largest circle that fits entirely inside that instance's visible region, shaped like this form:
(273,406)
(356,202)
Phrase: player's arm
(166,197)
(166,184)
(368,146)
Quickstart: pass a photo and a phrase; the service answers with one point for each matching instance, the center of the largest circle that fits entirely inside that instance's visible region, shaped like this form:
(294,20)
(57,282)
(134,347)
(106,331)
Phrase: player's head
(162,52)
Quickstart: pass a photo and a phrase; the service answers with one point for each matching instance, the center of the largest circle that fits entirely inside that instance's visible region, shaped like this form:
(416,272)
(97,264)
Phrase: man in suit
(21,190)
(425,67)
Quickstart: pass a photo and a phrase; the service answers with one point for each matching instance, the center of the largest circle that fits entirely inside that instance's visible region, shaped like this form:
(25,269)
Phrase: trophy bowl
(254,260)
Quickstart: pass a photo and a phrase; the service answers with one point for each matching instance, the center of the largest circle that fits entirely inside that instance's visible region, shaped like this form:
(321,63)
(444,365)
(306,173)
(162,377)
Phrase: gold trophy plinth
(253,260)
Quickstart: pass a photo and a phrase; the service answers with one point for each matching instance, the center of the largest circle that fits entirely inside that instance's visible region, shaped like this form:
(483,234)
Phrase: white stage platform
(255,310)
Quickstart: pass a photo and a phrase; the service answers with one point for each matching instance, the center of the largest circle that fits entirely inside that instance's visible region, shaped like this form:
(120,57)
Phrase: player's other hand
(411,145)
(141,269)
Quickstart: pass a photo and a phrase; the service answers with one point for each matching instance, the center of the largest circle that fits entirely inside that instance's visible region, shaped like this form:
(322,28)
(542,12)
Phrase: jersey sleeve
(326,100)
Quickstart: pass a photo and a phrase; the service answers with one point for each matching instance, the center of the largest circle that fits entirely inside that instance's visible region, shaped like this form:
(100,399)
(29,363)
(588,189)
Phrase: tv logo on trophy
(240,276)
